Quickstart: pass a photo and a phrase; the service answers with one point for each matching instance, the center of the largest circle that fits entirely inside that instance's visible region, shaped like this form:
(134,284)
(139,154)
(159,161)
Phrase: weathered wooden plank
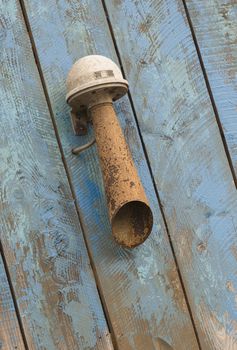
(140,287)
(40,233)
(10,333)
(188,160)
(215,26)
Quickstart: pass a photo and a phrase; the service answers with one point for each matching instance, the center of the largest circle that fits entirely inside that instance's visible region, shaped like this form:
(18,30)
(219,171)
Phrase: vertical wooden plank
(40,233)
(215,26)
(10,333)
(140,287)
(188,160)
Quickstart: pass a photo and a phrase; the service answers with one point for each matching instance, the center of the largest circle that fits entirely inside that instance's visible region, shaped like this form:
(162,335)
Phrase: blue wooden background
(65,283)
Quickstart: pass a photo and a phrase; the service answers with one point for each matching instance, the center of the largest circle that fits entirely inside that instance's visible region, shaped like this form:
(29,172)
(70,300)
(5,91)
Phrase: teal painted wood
(215,27)
(140,288)
(40,233)
(10,333)
(187,156)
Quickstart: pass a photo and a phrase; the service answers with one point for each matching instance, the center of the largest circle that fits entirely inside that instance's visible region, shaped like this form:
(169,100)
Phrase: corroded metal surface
(129,210)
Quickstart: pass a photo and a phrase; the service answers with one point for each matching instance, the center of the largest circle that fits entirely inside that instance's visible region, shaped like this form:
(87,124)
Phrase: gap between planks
(38,65)
(151,173)
(210,93)
(18,315)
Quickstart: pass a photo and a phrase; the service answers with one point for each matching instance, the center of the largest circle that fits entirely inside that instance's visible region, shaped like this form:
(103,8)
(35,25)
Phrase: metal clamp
(78,150)
(79,124)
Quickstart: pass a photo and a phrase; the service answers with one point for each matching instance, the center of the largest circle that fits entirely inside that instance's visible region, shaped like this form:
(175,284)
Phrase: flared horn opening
(132,223)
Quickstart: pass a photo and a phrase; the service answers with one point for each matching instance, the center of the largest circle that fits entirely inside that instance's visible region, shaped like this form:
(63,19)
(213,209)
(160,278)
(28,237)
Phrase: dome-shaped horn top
(92,73)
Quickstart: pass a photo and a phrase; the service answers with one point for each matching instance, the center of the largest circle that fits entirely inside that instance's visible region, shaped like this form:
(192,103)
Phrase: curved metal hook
(78,150)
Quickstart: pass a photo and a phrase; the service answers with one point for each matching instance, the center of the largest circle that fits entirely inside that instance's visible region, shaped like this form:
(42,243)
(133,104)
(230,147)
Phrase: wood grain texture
(10,333)
(40,233)
(215,26)
(140,287)
(187,156)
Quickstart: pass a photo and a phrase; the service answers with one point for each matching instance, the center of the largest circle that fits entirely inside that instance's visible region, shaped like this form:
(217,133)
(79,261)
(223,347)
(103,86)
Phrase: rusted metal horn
(93,83)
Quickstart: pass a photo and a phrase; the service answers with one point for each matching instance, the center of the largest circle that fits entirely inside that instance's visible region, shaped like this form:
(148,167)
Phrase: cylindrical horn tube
(129,210)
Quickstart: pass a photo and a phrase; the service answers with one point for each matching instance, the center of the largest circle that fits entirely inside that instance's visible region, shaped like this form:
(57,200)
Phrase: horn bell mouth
(132,223)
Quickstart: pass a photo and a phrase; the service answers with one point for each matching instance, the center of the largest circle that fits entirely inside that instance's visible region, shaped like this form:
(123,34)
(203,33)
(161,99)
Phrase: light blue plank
(187,157)
(40,233)
(10,333)
(140,288)
(215,27)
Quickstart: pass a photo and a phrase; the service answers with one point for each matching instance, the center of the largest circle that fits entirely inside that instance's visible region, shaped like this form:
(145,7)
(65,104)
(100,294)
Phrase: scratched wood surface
(10,333)
(187,157)
(215,26)
(42,241)
(140,288)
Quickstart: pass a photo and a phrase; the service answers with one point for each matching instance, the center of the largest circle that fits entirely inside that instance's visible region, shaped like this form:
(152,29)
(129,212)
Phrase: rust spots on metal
(129,210)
